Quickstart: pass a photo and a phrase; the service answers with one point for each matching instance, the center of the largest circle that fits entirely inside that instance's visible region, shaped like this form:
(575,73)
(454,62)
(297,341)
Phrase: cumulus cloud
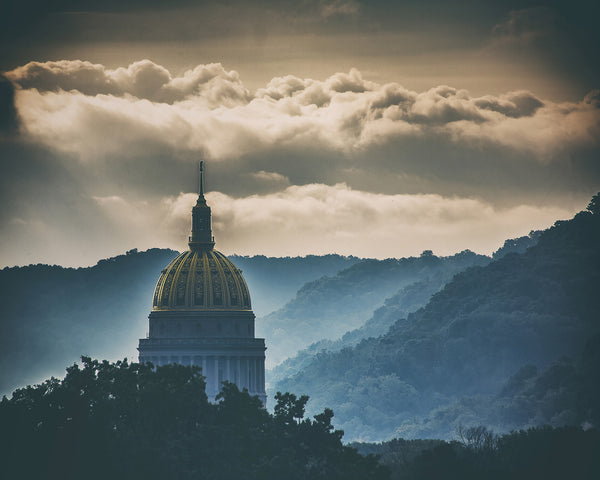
(209,84)
(270,180)
(76,106)
(514,104)
(553,128)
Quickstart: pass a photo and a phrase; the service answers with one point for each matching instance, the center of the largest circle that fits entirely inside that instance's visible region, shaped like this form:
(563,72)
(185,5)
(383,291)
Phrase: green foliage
(127,420)
(407,300)
(398,454)
(95,416)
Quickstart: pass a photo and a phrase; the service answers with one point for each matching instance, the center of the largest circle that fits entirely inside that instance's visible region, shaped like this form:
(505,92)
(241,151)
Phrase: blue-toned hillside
(449,363)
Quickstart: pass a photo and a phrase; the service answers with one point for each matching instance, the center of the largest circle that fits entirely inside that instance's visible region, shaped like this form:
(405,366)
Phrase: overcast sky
(375,128)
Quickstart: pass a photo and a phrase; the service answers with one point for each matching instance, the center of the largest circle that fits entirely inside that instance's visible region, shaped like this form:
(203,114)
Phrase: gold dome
(201,279)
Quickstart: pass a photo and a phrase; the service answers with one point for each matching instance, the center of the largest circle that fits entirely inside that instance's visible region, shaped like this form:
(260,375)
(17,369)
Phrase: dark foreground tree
(542,453)
(127,420)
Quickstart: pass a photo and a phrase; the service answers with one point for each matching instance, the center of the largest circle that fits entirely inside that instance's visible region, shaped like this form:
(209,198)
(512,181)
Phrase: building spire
(201,237)
(201,179)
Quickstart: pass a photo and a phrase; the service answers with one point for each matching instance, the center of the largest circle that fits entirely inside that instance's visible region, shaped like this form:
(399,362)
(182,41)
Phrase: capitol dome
(201,315)
(201,280)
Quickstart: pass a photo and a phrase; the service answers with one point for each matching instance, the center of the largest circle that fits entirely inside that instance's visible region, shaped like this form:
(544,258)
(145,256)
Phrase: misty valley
(299,240)
(471,365)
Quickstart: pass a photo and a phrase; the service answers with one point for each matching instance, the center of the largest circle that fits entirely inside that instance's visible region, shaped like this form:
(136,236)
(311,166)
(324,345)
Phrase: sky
(375,129)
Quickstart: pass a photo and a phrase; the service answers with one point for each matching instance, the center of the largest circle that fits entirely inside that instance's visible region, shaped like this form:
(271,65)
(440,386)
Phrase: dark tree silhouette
(538,453)
(594,205)
(128,420)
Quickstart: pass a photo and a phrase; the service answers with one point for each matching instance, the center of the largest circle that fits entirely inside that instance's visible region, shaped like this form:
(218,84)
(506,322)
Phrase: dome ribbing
(201,280)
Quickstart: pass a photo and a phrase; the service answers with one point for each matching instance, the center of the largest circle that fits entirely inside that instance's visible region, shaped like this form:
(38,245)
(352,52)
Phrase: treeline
(567,392)
(407,300)
(542,453)
(130,421)
(273,281)
(127,420)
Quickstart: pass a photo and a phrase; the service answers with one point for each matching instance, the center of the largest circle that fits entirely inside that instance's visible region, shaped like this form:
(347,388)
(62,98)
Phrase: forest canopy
(129,420)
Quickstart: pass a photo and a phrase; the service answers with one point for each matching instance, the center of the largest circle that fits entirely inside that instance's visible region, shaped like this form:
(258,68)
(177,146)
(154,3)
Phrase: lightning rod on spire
(201,179)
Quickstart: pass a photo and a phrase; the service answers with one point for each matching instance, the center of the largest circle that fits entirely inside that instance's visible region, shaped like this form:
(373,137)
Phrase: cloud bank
(320,219)
(74,106)
(298,166)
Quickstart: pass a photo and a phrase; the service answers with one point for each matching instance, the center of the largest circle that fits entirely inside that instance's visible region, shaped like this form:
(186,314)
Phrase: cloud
(271,179)
(298,220)
(144,79)
(514,104)
(319,219)
(552,129)
(300,166)
(111,200)
(76,106)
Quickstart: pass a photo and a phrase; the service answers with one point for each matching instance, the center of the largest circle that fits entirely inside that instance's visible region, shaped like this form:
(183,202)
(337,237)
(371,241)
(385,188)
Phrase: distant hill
(407,300)
(331,306)
(526,308)
(567,392)
(273,281)
(52,315)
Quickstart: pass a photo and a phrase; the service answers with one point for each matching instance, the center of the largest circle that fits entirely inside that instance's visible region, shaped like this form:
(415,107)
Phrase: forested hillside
(478,331)
(52,315)
(407,300)
(329,307)
(274,281)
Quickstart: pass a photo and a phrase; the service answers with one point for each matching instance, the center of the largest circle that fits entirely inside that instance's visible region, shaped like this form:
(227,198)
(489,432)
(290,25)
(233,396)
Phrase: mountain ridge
(475,333)
(329,307)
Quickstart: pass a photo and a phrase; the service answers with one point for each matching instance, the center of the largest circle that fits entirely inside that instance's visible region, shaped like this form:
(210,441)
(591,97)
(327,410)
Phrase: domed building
(201,314)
